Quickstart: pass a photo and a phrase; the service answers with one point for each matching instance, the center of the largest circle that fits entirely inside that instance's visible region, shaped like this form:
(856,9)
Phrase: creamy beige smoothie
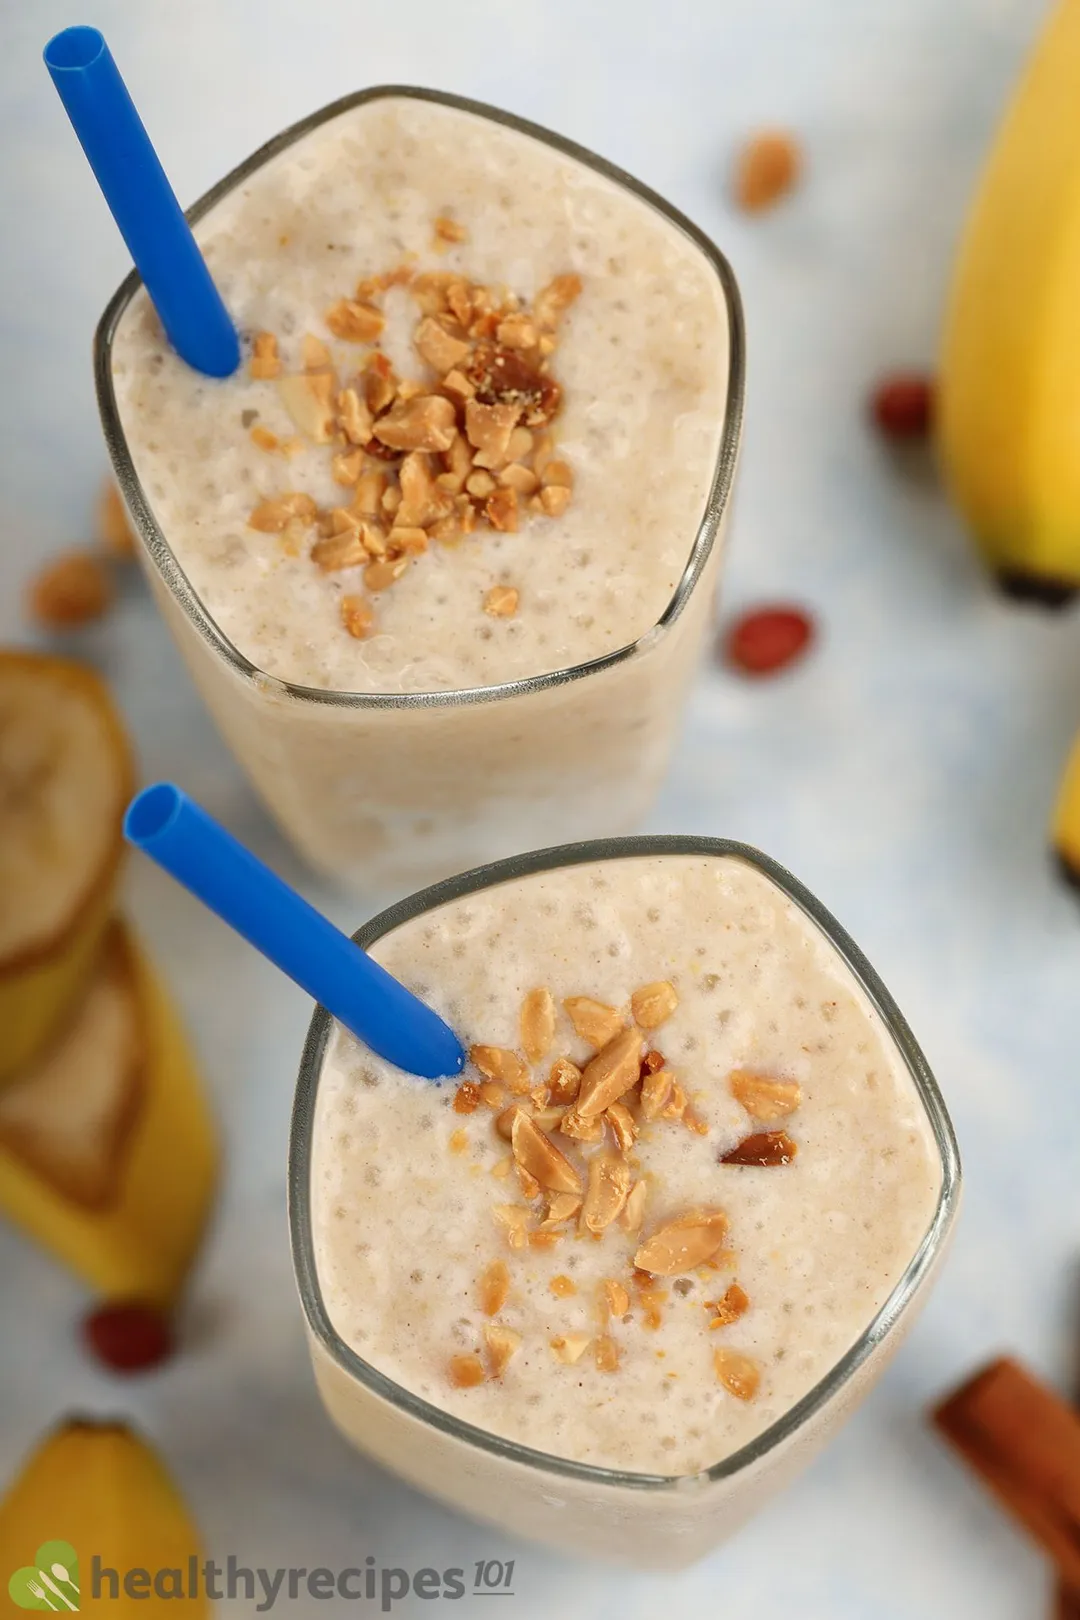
(685,1171)
(482,436)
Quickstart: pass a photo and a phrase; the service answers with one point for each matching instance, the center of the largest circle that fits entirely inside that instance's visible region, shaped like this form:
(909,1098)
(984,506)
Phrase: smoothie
(686,1169)
(481,438)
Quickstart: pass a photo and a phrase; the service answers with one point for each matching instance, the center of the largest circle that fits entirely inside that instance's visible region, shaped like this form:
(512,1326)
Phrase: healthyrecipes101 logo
(50,1582)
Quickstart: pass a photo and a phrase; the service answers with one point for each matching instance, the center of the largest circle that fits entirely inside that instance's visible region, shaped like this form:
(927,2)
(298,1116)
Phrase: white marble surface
(905,773)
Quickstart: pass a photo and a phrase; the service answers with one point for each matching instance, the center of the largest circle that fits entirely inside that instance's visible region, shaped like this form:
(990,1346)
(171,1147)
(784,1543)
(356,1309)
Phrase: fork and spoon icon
(61,1574)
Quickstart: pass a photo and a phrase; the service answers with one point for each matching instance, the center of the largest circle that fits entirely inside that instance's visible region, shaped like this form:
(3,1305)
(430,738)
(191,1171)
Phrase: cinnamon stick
(1023,1441)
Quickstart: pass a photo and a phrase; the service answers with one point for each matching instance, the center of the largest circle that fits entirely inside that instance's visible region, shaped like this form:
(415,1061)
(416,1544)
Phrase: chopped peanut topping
(357,616)
(540,1158)
(492,1094)
(265,361)
(497,1063)
(561,1206)
(424,423)
(562,1287)
(570,1347)
(609,1184)
(514,1220)
(494,1285)
(466,1371)
(728,1309)
(537,1023)
(634,1209)
(762,1097)
(739,1374)
(344,550)
(272,517)
(379,576)
(353,322)
(564,1081)
(653,1004)
(581,1129)
(467,1097)
(459,1141)
(607,1354)
(501,1343)
(612,1071)
(656,1092)
(682,1244)
(487,358)
(616,1297)
(505,1122)
(623,1126)
(449,230)
(765,1148)
(501,602)
(594,1021)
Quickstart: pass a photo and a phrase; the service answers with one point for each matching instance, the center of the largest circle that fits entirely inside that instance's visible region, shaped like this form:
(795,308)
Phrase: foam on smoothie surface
(641,359)
(768,1037)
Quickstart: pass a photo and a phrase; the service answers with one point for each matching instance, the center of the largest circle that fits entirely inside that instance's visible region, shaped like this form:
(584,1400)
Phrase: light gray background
(906,772)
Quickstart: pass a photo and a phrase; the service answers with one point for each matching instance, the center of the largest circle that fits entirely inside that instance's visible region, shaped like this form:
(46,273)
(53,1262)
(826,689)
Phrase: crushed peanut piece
(623,1126)
(308,396)
(357,616)
(609,1184)
(466,1371)
(72,590)
(492,1094)
(734,1304)
(570,1347)
(561,1206)
(675,1107)
(655,1093)
(449,230)
(594,1021)
(615,1297)
(501,602)
(467,1097)
(607,1354)
(537,1023)
(554,499)
(505,1122)
(263,439)
(633,1212)
(683,1243)
(514,1220)
(498,1063)
(501,1343)
(543,1240)
(581,1129)
(353,322)
(344,550)
(459,1141)
(764,1148)
(562,1287)
(379,576)
(739,1374)
(273,516)
(537,1154)
(530,1187)
(613,1070)
(564,1080)
(424,423)
(493,1287)
(265,362)
(653,1004)
(314,355)
(438,346)
(551,304)
(762,1097)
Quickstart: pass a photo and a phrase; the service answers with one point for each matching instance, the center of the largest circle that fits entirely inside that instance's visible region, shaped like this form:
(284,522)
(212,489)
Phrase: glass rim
(161,553)
(816,1399)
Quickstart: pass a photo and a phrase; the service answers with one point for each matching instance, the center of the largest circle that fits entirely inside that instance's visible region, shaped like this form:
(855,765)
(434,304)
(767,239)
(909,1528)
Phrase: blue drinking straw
(194,849)
(142,201)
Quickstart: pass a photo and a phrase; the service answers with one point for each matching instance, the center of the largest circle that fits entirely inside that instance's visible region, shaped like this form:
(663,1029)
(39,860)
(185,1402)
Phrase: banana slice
(65,777)
(107,1153)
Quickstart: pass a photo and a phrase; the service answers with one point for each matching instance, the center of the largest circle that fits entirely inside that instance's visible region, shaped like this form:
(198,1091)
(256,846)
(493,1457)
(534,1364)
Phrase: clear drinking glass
(647,1520)
(386,791)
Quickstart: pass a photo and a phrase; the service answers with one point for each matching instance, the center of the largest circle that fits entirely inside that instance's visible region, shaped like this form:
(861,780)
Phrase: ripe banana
(92,1502)
(107,1153)
(65,777)
(1008,414)
(1066,825)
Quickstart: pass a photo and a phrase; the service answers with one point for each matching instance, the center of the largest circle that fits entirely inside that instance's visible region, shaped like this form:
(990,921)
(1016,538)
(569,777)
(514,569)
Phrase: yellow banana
(1008,412)
(65,777)
(93,1503)
(108,1156)
(1066,824)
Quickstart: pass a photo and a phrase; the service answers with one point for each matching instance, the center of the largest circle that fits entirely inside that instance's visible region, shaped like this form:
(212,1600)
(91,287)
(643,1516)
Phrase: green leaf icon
(51,1583)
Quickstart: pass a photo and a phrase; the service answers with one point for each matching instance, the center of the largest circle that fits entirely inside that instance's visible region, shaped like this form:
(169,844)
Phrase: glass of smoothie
(620,1281)
(441,554)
